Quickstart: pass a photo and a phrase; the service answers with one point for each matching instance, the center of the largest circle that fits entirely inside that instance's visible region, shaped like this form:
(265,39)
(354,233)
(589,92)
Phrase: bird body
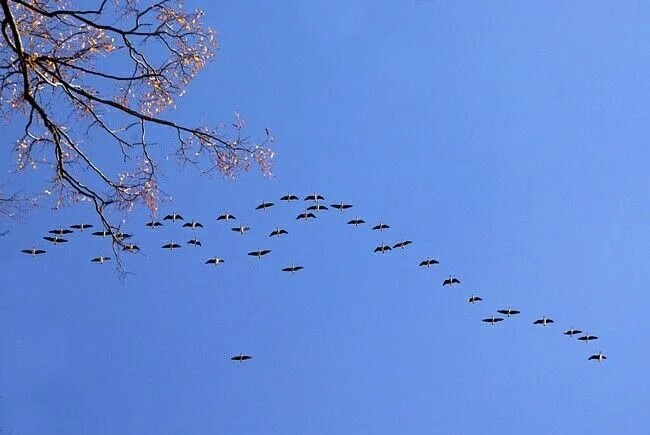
(101,259)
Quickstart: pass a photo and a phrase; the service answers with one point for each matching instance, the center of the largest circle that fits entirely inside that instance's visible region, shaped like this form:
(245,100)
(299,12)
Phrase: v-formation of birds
(57,236)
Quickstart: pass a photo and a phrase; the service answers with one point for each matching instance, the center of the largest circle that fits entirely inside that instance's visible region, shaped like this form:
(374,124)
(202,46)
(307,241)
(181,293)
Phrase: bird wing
(376,227)
(28,251)
(549,321)
(198,224)
(312,207)
(538,322)
(50,239)
(498,319)
(265,251)
(301,216)
(283,232)
(254,253)
(187,225)
(455,281)
(502,311)
(514,311)
(211,261)
(593,357)
(168,217)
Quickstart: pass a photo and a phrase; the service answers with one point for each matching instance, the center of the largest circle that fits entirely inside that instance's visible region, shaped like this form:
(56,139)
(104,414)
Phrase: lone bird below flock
(306,216)
(341,206)
(474,299)
(543,321)
(101,259)
(382,248)
(260,253)
(241,229)
(450,281)
(241,357)
(598,357)
(264,206)
(171,246)
(192,225)
(492,320)
(278,232)
(292,269)
(55,240)
(289,197)
(216,261)
(509,312)
(428,262)
(33,252)
(173,217)
(226,217)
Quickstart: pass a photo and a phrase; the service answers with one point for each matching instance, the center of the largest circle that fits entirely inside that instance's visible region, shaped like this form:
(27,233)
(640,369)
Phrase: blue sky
(508,140)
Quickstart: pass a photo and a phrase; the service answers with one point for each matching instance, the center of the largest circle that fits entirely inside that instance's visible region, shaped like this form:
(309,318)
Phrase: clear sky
(507,139)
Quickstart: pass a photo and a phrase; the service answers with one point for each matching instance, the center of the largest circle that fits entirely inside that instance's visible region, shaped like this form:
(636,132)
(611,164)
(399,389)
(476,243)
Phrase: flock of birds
(316,205)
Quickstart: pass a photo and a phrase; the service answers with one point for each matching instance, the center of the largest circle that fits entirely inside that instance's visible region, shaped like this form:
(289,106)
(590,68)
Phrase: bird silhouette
(241,357)
(131,248)
(598,357)
(278,232)
(381,227)
(80,227)
(509,312)
(121,236)
(314,197)
(264,206)
(306,216)
(341,206)
(226,217)
(240,229)
(215,260)
(101,259)
(55,240)
(571,332)
(543,321)
(316,207)
(292,269)
(60,231)
(289,197)
(474,299)
(492,320)
(173,217)
(402,244)
(103,233)
(171,246)
(382,248)
(259,253)
(195,242)
(587,338)
(192,225)
(33,252)
(428,262)
(451,281)
(154,224)
(356,222)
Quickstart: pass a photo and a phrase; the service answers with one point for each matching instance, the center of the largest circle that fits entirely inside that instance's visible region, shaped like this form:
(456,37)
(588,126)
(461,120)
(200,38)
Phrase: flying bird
(356,222)
(314,197)
(428,262)
(316,207)
(587,338)
(474,299)
(278,232)
(543,321)
(599,357)
(131,248)
(509,312)
(80,227)
(193,225)
(306,216)
(292,269)
(120,235)
(195,242)
(492,320)
(403,244)
(102,233)
(289,197)
(341,206)
(450,281)
(382,248)
(571,332)
(260,253)
(154,224)
(60,231)
(226,217)
(216,261)
(33,252)
(101,259)
(55,240)
(173,217)
(381,227)
(241,357)
(171,246)
(240,229)
(264,206)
